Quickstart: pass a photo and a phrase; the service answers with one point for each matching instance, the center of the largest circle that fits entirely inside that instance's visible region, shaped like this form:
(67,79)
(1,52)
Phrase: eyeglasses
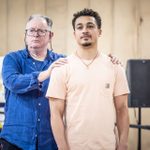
(32,32)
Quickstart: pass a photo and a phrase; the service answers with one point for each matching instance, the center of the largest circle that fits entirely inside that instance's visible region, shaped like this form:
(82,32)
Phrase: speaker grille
(138,75)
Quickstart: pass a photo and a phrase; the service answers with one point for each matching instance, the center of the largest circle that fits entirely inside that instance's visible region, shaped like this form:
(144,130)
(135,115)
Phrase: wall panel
(35,7)
(3,27)
(57,10)
(16,24)
(125,29)
(144,28)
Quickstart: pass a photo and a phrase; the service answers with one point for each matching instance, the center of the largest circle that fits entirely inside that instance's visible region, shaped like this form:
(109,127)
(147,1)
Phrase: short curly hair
(87,12)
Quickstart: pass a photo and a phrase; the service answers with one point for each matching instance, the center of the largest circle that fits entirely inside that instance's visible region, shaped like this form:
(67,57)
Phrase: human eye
(90,26)
(42,32)
(31,30)
(79,27)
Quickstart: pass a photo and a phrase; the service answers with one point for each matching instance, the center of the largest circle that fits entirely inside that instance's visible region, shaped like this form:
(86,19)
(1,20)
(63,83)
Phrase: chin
(35,46)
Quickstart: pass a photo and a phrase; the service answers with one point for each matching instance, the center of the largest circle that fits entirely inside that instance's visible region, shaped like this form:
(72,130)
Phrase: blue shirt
(27,114)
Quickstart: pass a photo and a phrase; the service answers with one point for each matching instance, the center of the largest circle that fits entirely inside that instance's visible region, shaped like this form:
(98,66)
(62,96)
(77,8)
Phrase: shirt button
(40,86)
(35,135)
(39,120)
(39,104)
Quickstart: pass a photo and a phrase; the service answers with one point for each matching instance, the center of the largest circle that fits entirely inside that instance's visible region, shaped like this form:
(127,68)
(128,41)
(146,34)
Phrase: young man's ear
(100,32)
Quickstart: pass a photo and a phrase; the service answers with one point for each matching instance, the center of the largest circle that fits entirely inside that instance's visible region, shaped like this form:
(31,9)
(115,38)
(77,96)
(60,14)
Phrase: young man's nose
(85,29)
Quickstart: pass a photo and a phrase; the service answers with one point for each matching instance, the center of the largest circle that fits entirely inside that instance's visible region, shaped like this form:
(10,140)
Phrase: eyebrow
(88,23)
(78,24)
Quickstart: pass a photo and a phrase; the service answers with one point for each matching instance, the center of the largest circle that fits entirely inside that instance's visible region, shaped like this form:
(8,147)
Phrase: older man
(27,116)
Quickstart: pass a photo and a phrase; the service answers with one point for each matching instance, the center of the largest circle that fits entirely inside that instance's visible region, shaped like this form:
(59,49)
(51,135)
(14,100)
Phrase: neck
(38,54)
(88,53)
(90,56)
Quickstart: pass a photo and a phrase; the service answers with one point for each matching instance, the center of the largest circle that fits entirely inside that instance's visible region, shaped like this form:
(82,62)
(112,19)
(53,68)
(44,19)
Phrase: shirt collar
(49,54)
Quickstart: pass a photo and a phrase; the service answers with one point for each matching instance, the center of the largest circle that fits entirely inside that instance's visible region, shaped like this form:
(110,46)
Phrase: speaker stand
(139,126)
(139,129)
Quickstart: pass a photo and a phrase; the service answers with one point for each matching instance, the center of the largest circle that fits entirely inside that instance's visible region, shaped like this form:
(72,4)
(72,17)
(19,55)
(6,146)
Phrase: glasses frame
(39,32)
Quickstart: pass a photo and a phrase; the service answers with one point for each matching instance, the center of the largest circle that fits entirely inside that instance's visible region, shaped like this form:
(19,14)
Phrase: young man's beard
(86,44)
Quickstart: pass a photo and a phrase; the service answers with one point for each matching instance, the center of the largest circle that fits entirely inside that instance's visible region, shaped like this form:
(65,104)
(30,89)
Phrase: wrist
(122,146)
(43,75)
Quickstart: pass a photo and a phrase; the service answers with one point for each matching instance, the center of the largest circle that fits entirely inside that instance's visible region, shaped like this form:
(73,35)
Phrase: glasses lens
(33,32)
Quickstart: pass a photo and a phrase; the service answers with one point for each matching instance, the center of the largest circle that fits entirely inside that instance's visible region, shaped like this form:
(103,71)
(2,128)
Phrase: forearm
(59,133)
(123,127)
(19,83)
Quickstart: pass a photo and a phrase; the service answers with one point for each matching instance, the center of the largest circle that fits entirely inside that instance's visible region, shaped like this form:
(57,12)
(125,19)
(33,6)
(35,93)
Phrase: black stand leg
(139,129)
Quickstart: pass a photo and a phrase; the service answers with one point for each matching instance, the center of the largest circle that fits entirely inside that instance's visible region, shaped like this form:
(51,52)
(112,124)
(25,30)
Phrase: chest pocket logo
(107,85)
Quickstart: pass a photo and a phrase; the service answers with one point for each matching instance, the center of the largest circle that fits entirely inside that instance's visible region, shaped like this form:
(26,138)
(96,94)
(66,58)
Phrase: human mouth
(35,41)
(85,37)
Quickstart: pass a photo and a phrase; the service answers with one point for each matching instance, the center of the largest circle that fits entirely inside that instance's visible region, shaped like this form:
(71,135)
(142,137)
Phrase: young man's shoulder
(70,57)
(64,68)
(106,60)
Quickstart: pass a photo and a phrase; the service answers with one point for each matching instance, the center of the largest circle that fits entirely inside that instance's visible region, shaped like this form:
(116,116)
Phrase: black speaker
(138,75)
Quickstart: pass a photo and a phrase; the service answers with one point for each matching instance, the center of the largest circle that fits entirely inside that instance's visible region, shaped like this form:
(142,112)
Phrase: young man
(88,96)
